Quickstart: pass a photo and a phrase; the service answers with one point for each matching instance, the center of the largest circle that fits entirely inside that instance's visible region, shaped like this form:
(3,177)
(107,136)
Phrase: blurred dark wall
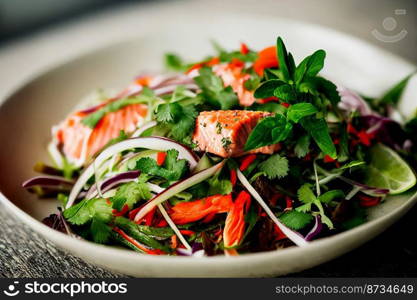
(21,17)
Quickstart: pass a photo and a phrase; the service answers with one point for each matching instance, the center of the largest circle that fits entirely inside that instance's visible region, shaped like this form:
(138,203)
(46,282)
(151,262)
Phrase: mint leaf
(261,135)
(302,147)
(283,60)
(286,93)
(267,88)
(392,96)
(305,194)
(318,129)
(275,166)
(130,193)
(327,89)
(296,220)
(310,66)
(300,110)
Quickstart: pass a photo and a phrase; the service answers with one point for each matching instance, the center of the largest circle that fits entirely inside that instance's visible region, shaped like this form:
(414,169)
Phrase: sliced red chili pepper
(235,221)
(236,63)
(212,62)
(267,58)
(187,232)
(285,104)
(124,210)
(364,137)
(269,99)
(187,212)
(160,158)
(288,202)
(162,223)
(247,161)
(233,176)
(368,201)
(244,48)
(328,159)
(279,234)
(274,199)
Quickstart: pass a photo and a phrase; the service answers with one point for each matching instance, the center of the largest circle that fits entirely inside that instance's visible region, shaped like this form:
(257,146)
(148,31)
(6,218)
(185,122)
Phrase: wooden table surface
(23,253)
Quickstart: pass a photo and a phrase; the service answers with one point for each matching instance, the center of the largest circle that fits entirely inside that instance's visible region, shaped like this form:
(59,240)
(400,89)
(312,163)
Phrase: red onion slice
(112,182)
(47,181)
(153,143)
(295,237)
(318,226)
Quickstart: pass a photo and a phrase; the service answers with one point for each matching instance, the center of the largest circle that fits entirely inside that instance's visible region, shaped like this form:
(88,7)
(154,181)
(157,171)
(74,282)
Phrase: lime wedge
(388,170)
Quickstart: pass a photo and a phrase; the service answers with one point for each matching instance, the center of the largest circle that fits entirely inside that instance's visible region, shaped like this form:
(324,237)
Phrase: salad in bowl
(241,152)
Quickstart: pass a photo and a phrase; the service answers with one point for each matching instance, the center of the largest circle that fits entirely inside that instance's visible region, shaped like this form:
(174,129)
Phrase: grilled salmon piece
(80,142)
(224,132)
(234,76)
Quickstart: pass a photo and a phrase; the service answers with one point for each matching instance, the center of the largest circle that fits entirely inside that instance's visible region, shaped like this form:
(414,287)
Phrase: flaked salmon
(224,132)
(79,142)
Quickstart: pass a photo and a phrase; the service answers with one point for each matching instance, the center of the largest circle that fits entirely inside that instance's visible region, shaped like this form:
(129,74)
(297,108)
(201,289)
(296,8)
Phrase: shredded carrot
(279,234)
(143,80)
(187,212)
(108,202)
(235,220)
(174,242)
(212,62)
(233,176)
(244,48)
(160,158)
(247,161)
(231,252)
(267,58)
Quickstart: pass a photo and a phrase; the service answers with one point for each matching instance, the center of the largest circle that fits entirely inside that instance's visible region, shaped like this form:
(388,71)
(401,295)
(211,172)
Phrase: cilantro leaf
(87,209)
(302,147)
(275,166)
(172,169)
(296,220)
(213,90)
(300,110)
(267,88)
(129,194)
(305,194)
(269,130)
(168,112)
(318,129)
(100,231)
(219,186)
(185,126)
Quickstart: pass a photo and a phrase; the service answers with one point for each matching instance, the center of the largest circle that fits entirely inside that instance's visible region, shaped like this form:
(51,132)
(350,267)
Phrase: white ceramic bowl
(27,115)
